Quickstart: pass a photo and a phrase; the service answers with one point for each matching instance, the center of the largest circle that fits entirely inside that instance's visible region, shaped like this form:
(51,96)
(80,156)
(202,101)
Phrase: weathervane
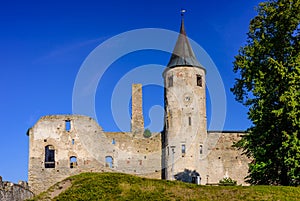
(182,11)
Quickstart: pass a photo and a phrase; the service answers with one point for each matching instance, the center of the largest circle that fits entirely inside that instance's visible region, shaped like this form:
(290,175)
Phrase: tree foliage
(269,84)
(147,133)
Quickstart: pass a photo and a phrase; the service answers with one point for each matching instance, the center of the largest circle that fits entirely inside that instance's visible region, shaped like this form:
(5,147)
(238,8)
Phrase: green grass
(117,186)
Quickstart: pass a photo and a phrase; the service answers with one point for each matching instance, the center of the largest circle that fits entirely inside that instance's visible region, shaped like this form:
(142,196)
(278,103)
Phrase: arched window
(109,161)
(49,156)
(73,162)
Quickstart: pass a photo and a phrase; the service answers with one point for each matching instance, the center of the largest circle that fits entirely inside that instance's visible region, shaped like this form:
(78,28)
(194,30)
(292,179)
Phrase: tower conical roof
(183,54)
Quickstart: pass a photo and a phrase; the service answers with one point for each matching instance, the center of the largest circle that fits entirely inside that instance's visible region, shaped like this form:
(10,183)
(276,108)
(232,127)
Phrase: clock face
(187,98)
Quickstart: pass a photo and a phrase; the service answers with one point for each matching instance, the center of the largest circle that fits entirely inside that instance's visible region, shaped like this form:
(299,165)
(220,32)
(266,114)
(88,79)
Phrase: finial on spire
(182,11)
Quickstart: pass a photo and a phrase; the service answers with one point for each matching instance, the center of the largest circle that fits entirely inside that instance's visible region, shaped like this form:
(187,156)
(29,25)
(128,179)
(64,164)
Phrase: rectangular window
(183,148)
(201,149)
(68,125)
(170,80)
(73,141)
(199,80)
(49,157)
(190,121)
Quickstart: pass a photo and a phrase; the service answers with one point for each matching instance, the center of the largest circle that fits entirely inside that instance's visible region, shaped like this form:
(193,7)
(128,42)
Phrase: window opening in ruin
(109,161)
(73,162)
(113,141)
(170,80)
(73,141)
(201,149)
(49,156)
(190,121)
(68,125)
(168,151)
(183,148)
(199,80)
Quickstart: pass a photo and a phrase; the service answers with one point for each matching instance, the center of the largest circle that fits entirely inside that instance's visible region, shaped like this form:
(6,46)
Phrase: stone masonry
(137,119)
(16,192)
(86,148)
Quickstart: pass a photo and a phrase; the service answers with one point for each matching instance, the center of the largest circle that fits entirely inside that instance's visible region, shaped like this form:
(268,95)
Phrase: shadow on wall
(189,176)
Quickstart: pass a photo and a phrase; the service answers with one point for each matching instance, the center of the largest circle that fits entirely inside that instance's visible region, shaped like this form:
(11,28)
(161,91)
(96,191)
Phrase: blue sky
(44,43)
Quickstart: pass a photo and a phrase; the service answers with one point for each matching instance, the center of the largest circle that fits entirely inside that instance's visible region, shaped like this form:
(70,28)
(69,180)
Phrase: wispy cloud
(66,49)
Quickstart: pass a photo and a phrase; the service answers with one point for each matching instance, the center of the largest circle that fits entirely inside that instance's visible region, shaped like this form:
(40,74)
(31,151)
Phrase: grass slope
(117,186)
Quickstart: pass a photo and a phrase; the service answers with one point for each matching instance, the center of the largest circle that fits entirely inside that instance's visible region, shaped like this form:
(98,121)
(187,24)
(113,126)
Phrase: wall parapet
(14,192)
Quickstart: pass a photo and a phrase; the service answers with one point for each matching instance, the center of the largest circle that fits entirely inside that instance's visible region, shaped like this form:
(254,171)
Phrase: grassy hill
(117,186)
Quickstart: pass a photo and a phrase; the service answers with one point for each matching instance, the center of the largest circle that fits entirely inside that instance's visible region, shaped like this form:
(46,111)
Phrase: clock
(187,98)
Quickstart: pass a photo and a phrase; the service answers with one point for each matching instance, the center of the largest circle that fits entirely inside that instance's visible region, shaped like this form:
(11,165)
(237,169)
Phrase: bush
(227,181)
(147,133)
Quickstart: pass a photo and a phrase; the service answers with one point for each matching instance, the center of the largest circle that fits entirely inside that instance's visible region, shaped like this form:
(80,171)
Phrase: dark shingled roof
(183,54)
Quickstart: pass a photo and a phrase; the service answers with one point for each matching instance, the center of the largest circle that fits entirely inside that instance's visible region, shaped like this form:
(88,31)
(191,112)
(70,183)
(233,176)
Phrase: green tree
(147,133)
(269,85)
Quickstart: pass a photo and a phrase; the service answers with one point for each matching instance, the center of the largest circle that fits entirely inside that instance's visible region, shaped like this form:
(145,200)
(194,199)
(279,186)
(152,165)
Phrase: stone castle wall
(93,149)
(223,160)
(16,192)
(86,141)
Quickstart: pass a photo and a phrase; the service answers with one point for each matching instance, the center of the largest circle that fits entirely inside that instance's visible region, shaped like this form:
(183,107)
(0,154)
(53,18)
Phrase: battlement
(17,192)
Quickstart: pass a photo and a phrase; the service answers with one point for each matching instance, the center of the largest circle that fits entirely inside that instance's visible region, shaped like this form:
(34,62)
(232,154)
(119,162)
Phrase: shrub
(227,181)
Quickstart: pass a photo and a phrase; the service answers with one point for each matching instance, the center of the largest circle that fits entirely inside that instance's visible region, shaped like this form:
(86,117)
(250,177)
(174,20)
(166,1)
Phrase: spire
(183,54)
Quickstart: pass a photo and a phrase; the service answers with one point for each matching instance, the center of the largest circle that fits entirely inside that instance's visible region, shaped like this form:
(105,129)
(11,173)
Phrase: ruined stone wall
(222,160)
(134,155)
(66,142)
(14,192)
(137,118)
(79,136)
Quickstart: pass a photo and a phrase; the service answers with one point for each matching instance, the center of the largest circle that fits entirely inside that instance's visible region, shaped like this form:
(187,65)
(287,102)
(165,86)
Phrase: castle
(65,145)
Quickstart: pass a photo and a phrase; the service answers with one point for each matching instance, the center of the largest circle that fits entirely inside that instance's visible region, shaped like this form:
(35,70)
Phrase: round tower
(185,110)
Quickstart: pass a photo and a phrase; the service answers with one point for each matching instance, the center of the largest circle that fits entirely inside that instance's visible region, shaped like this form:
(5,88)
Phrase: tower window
(170,81)
(73,141)
(201,149)
(190,121)
(49,157)
(68,125)
(169,119)
(113,141)
(183,148)
(199,80)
